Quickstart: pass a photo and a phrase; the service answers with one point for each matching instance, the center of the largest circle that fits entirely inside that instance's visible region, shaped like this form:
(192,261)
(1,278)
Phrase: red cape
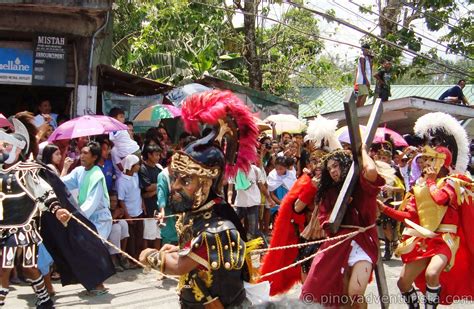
(284,234)
(457,283)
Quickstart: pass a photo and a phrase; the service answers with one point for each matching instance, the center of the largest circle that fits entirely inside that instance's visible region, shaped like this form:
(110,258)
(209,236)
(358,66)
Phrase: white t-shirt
(128,191)
(251,196)
(368,70)
(123,144)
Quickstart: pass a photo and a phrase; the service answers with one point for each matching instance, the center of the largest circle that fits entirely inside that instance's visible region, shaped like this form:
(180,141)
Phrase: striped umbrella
(157,112)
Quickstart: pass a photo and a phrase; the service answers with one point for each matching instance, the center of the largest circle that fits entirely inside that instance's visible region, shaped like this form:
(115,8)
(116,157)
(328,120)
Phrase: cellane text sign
(16,66)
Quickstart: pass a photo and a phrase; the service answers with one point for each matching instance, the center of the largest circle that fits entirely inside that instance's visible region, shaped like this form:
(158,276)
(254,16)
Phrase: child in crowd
(123,144)
(119,234)
(106,165)
(281,179)
(148,176)
(129,198)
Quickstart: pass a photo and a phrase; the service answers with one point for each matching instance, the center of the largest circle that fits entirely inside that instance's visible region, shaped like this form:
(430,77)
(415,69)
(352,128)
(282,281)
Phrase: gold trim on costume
(183,163)
(196,258)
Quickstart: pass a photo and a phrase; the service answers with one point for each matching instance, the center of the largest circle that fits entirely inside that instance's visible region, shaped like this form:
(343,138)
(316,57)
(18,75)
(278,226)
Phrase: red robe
(326,277)
(285,234)
(456,283)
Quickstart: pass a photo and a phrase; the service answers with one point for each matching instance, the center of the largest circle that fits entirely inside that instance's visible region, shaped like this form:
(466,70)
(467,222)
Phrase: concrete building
(49,49)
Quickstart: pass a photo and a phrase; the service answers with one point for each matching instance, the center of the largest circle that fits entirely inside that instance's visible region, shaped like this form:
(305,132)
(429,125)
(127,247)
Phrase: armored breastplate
(226,257)
(16,207)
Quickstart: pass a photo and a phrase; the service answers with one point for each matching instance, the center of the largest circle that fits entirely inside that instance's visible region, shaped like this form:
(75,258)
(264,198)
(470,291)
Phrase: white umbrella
(286,123)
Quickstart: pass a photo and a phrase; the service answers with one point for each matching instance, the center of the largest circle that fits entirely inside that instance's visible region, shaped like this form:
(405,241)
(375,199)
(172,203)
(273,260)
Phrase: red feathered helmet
(228,138)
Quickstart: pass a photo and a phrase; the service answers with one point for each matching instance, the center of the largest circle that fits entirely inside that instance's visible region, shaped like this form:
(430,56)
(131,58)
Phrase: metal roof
(401,114)
(323,100)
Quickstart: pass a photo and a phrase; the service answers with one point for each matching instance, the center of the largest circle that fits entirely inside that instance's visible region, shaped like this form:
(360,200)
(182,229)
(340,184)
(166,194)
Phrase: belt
(447,228)
(443,228)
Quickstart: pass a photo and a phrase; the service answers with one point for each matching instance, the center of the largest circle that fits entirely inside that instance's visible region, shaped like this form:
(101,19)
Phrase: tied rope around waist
(343,238)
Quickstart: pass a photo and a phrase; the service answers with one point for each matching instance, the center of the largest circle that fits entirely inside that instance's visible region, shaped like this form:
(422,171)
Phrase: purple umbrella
(86,126)
(379,137)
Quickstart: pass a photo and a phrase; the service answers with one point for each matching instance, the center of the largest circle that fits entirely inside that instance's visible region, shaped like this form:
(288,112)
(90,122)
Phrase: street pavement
(134,289)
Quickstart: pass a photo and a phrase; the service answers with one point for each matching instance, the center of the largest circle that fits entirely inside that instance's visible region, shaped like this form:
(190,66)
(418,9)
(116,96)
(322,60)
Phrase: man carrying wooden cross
(339,276)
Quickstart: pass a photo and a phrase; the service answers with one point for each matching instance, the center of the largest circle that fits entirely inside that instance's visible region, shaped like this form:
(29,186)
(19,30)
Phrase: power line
(360,16)
(387,42)
(393,21)
(434,17)
(407,52)
(278,22)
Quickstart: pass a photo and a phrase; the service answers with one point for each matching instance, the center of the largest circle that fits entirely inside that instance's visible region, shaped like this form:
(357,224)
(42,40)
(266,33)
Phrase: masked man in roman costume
(24,194)
(292,224)
(437,247)
(212,251)
(340,275)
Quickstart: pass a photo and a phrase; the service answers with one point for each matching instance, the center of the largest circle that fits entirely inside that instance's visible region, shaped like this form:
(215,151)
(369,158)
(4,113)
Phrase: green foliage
(179,41)
(436,15)
(172,41)
(428,73)
(289,56)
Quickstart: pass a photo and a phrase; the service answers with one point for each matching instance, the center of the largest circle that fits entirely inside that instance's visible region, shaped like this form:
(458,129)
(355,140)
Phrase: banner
(16,66)
(131,106)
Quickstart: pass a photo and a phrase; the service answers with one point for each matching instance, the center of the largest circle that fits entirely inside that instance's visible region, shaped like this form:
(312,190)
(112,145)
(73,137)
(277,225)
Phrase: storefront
(48,51)
(33,71)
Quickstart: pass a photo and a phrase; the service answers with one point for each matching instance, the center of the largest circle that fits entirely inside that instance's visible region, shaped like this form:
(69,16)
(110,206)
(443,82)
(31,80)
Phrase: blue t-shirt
(109,172)
(455,91)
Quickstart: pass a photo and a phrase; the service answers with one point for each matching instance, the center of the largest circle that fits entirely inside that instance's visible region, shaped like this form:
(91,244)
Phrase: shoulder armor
(225,248)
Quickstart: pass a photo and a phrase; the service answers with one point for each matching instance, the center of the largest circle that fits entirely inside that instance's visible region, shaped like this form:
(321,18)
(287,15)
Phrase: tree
(179,41)
(279,55)
(396,22)
(172,41)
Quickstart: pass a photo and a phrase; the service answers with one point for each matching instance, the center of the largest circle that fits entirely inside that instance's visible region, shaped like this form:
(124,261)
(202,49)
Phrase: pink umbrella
(4,122)
(86,126)
(380,134)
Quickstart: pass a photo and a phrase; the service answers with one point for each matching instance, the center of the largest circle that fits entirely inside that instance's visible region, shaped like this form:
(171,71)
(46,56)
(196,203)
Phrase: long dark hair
(48,151)
(345,160)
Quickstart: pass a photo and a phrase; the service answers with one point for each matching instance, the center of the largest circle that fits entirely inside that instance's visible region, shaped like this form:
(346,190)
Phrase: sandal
(97,292)
(55,276)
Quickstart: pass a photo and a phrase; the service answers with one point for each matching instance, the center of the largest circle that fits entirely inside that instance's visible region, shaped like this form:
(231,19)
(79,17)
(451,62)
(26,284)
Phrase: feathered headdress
(229,145)
(440,129)
(322,132)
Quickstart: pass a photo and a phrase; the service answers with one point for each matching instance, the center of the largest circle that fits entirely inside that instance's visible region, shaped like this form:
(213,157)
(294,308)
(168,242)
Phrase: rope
(320,241)
(120,250)
(344,238)
(143,219)
(347,237)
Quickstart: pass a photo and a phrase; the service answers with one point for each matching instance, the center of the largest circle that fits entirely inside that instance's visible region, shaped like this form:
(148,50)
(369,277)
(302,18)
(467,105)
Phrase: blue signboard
(16,66)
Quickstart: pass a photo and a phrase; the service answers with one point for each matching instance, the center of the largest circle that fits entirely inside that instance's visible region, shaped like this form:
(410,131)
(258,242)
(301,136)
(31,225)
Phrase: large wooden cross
(352,177)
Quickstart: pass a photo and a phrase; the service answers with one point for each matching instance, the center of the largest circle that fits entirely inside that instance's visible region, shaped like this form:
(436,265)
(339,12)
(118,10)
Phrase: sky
(350,12)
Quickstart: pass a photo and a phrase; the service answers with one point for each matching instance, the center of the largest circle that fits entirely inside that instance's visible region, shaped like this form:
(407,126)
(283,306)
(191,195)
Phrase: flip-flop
(97,292)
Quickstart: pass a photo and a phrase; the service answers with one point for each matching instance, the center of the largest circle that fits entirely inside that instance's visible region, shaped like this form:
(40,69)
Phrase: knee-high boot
(43,300)
(411,298)
(432,297)
(3,295)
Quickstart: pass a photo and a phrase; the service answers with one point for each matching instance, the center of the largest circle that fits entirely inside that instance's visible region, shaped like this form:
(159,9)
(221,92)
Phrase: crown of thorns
(338,155)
